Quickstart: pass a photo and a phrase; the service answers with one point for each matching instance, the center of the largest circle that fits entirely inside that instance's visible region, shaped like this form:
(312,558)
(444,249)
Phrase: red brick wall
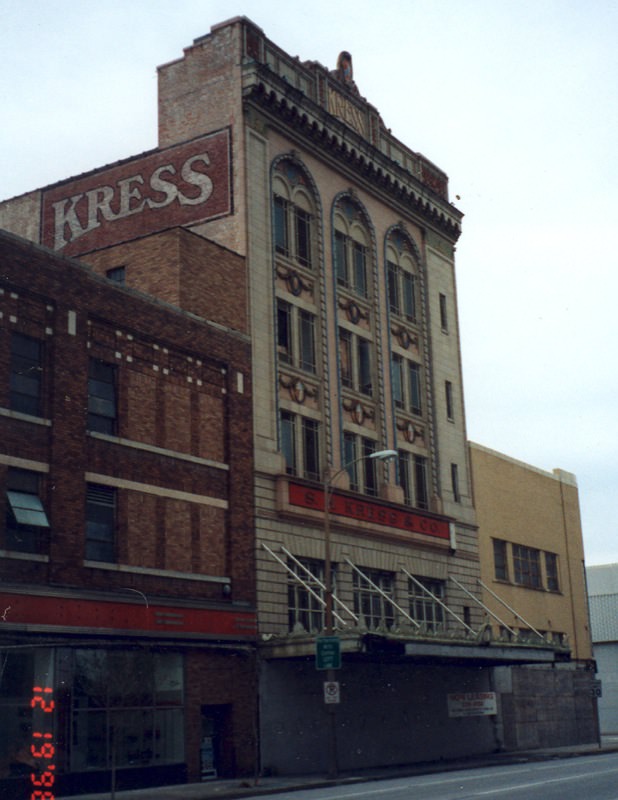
(222,680)
(177,406)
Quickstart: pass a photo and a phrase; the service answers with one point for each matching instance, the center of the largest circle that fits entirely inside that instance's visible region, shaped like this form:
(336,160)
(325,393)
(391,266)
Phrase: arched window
(353,274)
(407,351)
(293,215)
(402,280)
(351,249)
(297,322)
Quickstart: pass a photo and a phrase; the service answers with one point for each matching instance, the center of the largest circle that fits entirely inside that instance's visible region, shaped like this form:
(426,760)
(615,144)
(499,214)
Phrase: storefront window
(127,709)
(82,710)
(28,720)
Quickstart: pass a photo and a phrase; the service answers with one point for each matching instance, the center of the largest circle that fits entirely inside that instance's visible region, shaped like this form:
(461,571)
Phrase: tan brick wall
(198,275)
(524,505)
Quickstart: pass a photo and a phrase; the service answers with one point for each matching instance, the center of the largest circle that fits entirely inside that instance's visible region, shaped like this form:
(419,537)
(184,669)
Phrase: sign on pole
(327,652)
(331,692)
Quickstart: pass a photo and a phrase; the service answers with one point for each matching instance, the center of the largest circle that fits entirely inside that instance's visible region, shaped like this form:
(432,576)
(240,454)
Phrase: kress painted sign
(178,186)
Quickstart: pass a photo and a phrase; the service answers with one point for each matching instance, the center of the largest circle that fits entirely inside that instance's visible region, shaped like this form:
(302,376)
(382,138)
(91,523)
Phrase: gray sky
(514,99)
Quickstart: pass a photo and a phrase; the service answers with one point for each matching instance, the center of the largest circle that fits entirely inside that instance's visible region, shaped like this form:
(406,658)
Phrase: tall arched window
(297,324)
(350,249)
(293,215)
(407,354)
(353,275)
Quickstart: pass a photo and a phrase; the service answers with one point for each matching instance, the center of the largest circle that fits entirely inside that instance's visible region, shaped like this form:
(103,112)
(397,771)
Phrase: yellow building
(533,588)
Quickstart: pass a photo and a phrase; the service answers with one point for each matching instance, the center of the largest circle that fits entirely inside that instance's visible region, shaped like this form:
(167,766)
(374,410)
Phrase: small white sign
(472,704)
(331,692)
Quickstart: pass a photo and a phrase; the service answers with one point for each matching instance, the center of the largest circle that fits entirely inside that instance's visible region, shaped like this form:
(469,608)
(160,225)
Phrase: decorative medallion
(404,338)
(358,415)
(409,432)
(295,284)
(298,391)
(354,313)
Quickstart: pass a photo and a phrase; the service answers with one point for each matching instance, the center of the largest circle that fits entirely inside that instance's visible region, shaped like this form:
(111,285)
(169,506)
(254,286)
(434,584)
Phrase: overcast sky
(515,99)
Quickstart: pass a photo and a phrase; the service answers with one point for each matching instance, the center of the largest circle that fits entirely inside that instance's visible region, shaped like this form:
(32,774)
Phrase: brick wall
(224,685)
(181,460)
(185,270)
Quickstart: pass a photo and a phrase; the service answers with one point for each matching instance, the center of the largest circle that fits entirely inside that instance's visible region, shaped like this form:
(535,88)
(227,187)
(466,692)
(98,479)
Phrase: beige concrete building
(350,238)
(534,589)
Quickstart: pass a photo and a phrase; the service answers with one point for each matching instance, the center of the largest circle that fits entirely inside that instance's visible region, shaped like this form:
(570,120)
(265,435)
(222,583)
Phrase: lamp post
(329,485)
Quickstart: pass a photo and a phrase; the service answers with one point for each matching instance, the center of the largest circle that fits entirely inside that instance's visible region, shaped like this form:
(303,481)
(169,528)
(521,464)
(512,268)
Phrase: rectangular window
(300,445)
(351,459)
(345,357)
(527,566)
(405,477)
(341,259)
(397,380)
(365,384)
(116,275)
(26,374)
(27,526)
(443,313)
(355,362)
(414,373)
(551,572)
(284,332)
(135,721)
(306,332)
(448,394)
(305,611)
(420,482)
(393,287)
(370,604)
(409,296)
(501,569)
(401,292)
(101,397)
(303,236)
(311,449)
(281,225)
(288,441)
(100,523)
(360,268)
(369,464)
(423,608)
(455,483)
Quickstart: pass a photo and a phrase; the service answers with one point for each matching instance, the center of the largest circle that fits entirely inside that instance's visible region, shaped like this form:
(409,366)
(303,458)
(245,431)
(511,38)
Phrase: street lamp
(329,485)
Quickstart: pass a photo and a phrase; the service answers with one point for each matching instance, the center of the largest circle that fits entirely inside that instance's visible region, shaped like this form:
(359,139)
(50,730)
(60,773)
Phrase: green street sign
(327,652)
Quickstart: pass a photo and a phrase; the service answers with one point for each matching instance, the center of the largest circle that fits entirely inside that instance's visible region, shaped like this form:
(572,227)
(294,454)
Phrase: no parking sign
(331,692)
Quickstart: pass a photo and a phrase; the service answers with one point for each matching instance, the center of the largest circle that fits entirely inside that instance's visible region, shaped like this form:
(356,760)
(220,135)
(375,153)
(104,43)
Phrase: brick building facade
(127,568)
(351,312)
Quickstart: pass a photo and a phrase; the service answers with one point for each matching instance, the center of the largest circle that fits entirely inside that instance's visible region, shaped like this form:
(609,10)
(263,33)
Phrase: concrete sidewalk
(245,788)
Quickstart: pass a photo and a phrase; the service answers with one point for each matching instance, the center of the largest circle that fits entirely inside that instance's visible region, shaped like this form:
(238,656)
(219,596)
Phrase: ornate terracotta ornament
(299,391)
(354,312)
(296,283)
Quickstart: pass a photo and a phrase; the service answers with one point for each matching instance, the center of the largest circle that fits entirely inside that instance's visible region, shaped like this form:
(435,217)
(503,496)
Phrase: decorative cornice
(422,196)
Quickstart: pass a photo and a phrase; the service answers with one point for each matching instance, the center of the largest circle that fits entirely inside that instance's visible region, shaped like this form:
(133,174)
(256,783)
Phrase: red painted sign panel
(41,610)
(180,185)
(370,511)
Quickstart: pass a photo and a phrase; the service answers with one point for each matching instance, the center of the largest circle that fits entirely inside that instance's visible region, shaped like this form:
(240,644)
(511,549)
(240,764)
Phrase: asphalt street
(594,777)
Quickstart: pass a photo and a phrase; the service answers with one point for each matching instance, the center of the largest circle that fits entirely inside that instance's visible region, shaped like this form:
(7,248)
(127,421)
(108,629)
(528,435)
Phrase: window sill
(150,448)
(18,556)
(161,573)
(7,412)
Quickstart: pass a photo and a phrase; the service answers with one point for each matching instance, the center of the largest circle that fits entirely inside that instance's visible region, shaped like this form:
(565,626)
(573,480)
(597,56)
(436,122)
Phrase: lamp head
(383,455)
